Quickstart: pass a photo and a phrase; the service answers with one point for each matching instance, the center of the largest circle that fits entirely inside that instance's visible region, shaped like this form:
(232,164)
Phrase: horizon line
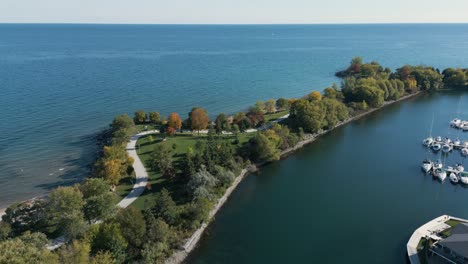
(231,24)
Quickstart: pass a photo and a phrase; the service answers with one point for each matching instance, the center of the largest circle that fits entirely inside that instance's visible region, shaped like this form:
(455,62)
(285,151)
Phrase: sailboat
(441,174)
(427,165)
(428,141)
(464,177)
(453,177)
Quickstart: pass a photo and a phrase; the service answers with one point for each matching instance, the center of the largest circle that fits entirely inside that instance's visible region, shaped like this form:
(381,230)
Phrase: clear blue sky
(232,11)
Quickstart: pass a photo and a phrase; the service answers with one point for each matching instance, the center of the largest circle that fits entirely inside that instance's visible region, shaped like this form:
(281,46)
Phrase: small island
(172,174)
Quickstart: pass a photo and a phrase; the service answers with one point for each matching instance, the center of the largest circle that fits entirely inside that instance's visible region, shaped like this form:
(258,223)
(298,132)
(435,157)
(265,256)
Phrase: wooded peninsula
(191,163)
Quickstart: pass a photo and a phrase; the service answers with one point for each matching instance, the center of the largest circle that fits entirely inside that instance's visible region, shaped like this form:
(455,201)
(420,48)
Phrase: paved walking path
(140,171)
(138,187)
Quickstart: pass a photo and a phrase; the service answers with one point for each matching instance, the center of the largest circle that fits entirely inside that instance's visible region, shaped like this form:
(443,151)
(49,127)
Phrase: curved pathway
(140,171)
(138,187)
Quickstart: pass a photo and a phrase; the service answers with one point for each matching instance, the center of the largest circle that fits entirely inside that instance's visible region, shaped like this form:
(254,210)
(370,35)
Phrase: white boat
(441,174)
(436,147)
(428,141)
(439,139)
(465,144)
(465,127)
(464,177)
(447,140)
(453,177)
(427,165)
(446,148)
(464,151)
(460,167)
(457,143)
(455,122)
(438,164)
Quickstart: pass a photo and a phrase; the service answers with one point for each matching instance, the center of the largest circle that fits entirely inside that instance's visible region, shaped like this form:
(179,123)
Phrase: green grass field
(180,144)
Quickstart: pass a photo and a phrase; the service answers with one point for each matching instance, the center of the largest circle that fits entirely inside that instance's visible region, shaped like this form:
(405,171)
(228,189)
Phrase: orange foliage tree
(175,121)
(198,119)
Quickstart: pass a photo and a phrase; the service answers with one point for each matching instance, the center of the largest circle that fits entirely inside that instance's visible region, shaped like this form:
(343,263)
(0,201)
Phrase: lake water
(61,84)
(354,196)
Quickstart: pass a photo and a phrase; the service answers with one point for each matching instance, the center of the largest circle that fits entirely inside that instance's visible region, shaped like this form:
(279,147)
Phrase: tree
(154,117)
(165,207)
(113,165)
(308,115)
(170,131)
(282,103)
(109,238)
(5,230)
(122,128)
(201,183)
(373,96)
(156,229)
(175,121)
(314,96)
(25,216)
(100,207)
(161,158)
(198,119)
(260,106)
(76,252)
(132,226)
(155,253)
(270,106)
(94,187)
(64,211)
(103,257)
(140,117)
(264,149)
(28,248)
(221,123)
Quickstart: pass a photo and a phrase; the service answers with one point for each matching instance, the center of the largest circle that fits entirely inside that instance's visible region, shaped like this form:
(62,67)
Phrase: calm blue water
(60,84)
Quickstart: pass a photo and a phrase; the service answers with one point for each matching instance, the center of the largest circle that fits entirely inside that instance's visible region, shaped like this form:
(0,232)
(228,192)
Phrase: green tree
(201,183)
(154,117)
(28,248)
(103,257)
(109,238)
(161,158)
(309,116)
(165,207)
(64,211)
(140,117)
(155,253)
(270,106)
(75,252)
(26,216)
(263,149)
(100,207)
(221,123)
(132,226)
(282,103)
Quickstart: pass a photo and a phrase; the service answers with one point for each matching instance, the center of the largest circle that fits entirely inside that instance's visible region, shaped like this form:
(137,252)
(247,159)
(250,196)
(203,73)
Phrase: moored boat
(436,147)
(428,141)
(455,122)
(446,148)
(439,139)
(464,151)
(464,177)
(441,174)
(427,165)
(438,164)
(453,177)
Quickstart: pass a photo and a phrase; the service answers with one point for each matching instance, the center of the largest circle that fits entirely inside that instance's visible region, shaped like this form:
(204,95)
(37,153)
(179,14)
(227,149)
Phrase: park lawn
(273,117)
(180,143)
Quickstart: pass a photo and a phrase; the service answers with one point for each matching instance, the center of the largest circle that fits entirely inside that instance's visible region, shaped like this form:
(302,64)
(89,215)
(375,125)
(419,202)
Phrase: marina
(447,145)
